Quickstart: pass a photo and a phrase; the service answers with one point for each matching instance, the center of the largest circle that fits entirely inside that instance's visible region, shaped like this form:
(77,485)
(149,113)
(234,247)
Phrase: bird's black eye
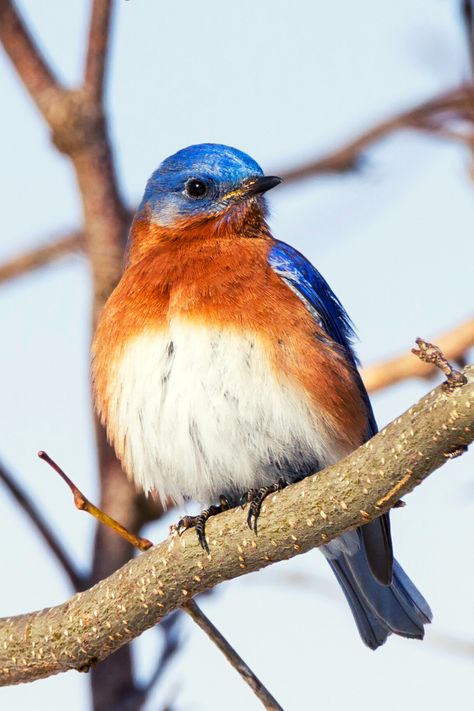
(195,188)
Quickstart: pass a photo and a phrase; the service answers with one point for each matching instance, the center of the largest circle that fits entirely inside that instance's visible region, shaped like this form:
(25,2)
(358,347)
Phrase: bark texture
(91,625)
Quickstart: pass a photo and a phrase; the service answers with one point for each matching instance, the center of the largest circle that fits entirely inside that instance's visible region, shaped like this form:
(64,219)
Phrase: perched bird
(223,369)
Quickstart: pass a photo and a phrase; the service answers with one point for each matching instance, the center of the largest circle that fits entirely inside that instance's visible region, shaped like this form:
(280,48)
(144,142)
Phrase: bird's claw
(256,497)
(199,522)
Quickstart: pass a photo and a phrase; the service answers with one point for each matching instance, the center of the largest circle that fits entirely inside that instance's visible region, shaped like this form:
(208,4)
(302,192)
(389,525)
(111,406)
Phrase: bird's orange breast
(228,284)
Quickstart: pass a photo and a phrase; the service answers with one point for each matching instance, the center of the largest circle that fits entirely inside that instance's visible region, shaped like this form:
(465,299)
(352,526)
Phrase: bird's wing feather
(308,284)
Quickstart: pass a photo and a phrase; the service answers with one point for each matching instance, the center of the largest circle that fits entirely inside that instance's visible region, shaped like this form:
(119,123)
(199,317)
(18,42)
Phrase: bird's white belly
(200,412)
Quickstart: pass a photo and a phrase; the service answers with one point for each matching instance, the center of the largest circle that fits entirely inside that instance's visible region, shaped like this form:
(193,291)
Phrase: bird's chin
(243,218)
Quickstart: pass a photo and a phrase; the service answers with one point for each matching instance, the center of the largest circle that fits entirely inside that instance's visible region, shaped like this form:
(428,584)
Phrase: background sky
(282,81)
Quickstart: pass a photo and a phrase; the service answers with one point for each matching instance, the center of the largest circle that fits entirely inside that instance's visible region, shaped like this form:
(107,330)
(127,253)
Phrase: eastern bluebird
(223,368)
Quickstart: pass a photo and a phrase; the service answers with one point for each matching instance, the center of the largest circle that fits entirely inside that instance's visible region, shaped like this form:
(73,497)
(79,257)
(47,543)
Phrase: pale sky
(282,81)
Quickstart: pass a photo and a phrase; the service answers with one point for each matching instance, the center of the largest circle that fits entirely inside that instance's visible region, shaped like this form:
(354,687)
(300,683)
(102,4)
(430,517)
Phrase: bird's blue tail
(379,610)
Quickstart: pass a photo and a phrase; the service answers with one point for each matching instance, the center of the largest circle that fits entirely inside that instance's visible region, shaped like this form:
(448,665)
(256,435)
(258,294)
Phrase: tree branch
(26,57)
(234,659)
(170,646)
(468,18)
(77,581)
(79,130)
(93,624)
(38,257)
(454,344)
(96,58)
(83,504)
(431,116)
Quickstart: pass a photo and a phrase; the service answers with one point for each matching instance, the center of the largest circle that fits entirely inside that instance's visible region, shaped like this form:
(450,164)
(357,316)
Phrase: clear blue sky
(283,82)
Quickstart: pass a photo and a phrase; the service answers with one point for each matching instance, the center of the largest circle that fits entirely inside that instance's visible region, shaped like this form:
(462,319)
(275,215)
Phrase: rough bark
(93,624)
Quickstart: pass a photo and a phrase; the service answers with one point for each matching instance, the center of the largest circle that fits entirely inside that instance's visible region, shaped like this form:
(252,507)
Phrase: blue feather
(315,292)
(318,297)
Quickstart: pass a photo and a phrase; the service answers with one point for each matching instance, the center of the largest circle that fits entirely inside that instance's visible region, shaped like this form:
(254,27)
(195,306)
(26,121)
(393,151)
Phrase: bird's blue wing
(314,291)
(316,294)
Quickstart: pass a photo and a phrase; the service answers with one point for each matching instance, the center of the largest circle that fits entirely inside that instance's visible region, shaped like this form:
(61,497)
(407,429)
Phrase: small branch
(96,58)
(27,505)
(268,701)
(191,608)
(429,116)
(40,256)
(93,624)
(83,504)
(429,353)
(454,344)
(26,57)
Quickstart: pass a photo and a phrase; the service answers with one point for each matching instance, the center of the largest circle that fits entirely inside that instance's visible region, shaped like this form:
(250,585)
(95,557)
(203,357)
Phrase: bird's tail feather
(380,610)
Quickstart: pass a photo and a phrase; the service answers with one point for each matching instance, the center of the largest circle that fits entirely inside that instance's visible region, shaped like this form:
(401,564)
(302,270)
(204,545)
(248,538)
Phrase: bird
(224,368)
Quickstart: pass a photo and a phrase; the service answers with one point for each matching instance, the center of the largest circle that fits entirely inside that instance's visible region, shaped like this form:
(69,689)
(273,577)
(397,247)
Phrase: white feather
(203,413)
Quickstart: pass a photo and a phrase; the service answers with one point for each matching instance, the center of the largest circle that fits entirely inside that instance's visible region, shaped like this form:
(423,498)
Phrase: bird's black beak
(261,185)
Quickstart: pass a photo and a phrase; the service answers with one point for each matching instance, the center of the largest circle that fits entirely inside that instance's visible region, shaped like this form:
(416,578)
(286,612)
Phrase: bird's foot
(199,522)
(256,497)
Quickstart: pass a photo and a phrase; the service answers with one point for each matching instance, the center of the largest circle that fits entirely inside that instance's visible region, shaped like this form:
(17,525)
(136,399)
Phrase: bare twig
(77,581)
(93,624)
(429,353)
(40,256)
(268,701)
(430,116)
(96,58)
(454,343)
(83,504)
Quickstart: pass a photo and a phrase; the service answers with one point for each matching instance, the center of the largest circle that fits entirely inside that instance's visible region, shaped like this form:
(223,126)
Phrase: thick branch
(96,58)
(78,126)
(95,623)
(454,344)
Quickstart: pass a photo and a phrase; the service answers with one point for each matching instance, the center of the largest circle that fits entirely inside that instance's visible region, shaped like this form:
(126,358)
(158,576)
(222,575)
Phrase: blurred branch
(25,55)
(454,344)
(40,256)
(52,542)
(168,627)
(95,623)
(456,105)
(439,116)
(234,659)
(96,58)
(78,126)
(468,17)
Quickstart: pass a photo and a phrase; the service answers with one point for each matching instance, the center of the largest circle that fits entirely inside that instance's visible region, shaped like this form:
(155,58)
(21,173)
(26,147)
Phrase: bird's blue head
(203,181)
